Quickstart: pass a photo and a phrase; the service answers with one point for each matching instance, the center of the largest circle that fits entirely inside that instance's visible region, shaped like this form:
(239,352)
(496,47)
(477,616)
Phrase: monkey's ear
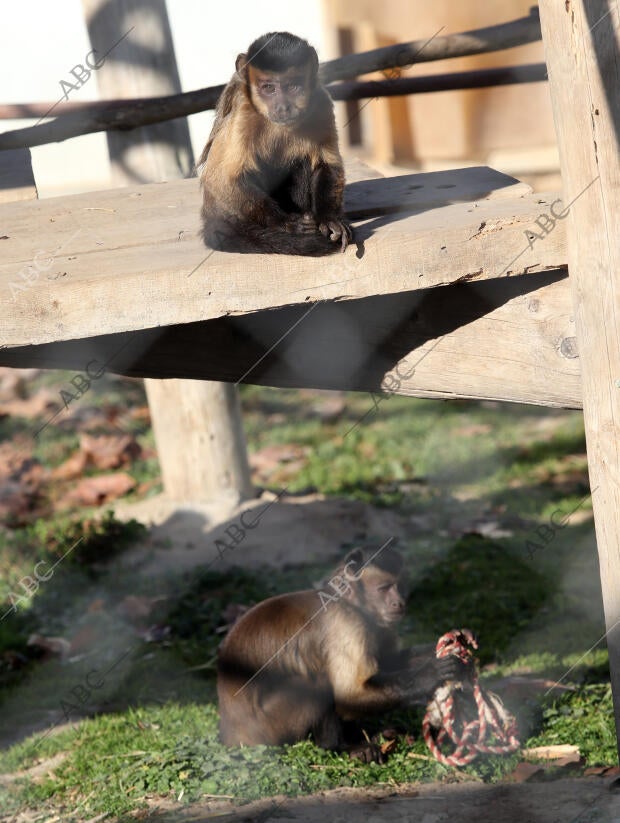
(240,63)
(354,560)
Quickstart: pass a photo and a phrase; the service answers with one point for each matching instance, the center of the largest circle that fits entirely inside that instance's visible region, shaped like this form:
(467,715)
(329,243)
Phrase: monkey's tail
(253,239)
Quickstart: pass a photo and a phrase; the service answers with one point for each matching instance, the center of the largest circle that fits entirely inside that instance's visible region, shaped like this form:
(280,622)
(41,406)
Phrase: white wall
(41,41)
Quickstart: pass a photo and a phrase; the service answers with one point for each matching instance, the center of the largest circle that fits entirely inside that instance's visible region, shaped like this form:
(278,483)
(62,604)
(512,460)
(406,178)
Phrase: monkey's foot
(301,224)
(367,753)
(338,229)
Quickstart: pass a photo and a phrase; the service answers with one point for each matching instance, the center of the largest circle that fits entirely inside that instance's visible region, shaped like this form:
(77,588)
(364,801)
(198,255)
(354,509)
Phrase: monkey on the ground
(304,663)
(271,173)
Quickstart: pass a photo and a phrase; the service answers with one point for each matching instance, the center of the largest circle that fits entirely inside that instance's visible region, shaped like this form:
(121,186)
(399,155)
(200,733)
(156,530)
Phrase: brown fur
(300,663)
(249,157)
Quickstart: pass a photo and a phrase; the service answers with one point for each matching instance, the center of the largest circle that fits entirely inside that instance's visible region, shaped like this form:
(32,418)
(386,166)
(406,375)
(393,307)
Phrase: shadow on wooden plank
(353,344)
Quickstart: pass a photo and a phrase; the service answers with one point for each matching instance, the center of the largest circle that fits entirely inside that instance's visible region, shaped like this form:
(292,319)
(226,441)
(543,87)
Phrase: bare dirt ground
(584,800)
(569,800)
(292,530)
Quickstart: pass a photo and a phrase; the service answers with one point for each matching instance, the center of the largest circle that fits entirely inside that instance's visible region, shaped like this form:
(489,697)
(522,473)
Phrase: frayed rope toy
(451,712)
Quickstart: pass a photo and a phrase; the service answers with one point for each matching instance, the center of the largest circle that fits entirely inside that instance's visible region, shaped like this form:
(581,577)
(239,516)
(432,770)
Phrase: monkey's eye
(295,88)
(268,88)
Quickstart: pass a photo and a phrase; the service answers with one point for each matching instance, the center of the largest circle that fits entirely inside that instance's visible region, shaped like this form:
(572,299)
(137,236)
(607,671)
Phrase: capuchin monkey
(271,173)
(304,663)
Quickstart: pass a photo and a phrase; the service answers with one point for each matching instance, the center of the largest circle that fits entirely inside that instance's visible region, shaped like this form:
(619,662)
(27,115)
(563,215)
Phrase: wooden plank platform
(129,259)
(121,289)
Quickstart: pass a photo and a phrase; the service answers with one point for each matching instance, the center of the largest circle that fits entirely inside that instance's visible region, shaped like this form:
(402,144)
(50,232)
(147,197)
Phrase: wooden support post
(142,64)
(391,137)
(197,425)
(581,45)
(200,440)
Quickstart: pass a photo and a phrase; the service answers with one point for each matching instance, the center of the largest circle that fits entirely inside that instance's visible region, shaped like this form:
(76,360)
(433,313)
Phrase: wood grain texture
(509,339)
(200,440)
(129,259)
(581,40)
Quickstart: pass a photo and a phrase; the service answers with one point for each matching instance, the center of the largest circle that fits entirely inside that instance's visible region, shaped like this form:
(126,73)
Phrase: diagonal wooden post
(581,47)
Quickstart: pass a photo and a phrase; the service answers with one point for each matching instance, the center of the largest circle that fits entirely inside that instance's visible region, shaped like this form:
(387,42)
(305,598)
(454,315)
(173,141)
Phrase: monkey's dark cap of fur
(278,51)
(388,559)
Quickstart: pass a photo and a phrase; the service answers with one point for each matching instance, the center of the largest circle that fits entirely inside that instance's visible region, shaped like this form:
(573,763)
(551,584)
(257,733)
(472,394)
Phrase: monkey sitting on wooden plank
(302,664)
(271,173)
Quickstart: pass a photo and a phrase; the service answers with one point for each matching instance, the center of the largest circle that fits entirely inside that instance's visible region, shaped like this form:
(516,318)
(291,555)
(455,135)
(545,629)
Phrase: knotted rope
(451,714)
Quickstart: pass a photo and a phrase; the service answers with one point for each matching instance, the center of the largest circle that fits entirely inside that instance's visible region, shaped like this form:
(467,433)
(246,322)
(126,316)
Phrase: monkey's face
(281,97)
(384,596)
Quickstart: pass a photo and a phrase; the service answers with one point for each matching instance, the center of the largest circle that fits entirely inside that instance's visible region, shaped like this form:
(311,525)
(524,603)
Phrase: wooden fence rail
(74,120)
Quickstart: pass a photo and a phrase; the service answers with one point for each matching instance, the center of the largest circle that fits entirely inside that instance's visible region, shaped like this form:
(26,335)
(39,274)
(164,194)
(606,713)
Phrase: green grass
(173,751)
(448,468)
(583,718)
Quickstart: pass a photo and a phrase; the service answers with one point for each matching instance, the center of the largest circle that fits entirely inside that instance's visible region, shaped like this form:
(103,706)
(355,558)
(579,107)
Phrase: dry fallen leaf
(20,481)
(71,468)
(15,465)
(102,452)
(570,761)
(595,771)
(524,771)
(94,491)
(40,404)
(388,746)
(15,503)
(14,382)
(270,457)
(57,646)
(109,451)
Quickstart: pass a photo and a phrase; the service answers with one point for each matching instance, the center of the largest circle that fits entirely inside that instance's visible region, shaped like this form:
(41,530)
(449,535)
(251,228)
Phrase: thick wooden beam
(581,46)
(508,339)
(130,259)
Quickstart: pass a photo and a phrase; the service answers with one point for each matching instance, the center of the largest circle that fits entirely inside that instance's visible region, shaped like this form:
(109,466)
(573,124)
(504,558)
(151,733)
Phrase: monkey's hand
(459,663)
(421,673)
(338,229)
(451,668)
